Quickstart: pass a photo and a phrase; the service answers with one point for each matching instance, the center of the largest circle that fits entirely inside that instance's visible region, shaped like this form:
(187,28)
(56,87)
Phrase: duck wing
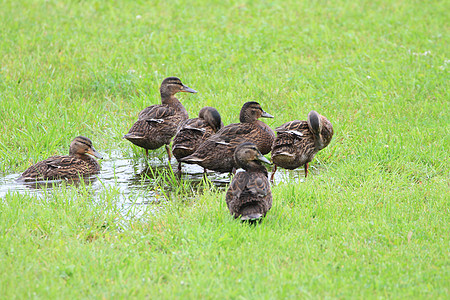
(234,133)
(249,194)
(295,128)
(237,186)
(250,183)
(156,126)
(156,112)
(190,134)
(258,186)
(56,167)
(195,126)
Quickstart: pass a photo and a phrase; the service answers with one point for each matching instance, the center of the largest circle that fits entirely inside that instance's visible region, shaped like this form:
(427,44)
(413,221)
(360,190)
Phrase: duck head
(315,125)
(211,116)
(321,129)
(172,85)
(247,156)
(252,111)
(81,146)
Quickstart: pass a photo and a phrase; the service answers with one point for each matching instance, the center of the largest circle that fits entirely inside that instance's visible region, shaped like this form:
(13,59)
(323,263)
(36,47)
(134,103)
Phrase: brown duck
(249,196)
(192,132)
(216,152)
(298,142)
(157,124)
(77,163)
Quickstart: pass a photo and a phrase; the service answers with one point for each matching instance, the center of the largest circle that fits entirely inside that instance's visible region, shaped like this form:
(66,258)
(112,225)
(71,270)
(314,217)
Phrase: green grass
(374,223)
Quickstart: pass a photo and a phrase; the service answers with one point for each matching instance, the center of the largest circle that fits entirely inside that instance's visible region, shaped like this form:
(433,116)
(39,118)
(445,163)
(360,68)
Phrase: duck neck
(168,98)
(82,156)
(246,118)
(256,167)
(318,141)
(172,101)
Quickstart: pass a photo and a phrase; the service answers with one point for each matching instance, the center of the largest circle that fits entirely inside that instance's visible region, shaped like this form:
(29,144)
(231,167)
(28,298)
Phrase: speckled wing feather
(249,193)
(216,152)
(236,128)
(294,145)
(259,187)
(289,132)
(60,167)
(228,133)
(190,134)
(237,186)
(193,129)
(156,126)
(295,127)
(156,111)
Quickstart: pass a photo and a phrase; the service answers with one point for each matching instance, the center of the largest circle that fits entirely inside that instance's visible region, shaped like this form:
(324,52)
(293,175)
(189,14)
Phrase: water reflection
(139,185)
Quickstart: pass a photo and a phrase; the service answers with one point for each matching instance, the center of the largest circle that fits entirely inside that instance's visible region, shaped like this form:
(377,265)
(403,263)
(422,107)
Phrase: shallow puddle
(139,184)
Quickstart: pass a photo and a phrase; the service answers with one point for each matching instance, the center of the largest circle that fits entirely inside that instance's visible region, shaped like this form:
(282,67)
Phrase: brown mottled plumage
(157,124)
(249,196)
(192,132)
(298,142)
(77,163)
(216,153)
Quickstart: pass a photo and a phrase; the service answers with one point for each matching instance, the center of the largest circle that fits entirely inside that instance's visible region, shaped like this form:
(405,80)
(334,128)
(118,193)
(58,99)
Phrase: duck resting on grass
(249,197)
(157,124)
(298,142)
(77,163)
(216,152)
(192,132)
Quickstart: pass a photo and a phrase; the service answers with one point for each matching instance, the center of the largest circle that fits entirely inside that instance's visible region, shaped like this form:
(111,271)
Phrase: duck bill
(264,159)
(266,115)
(187,89)
(94,152)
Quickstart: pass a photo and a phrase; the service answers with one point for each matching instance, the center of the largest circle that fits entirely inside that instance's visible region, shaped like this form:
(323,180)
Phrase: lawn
(371,221)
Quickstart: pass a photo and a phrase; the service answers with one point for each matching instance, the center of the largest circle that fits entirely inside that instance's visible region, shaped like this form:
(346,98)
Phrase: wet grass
(373,222)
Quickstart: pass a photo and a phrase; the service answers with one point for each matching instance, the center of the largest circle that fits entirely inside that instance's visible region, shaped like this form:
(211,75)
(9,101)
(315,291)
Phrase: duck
(192,132)
(298,142)
(78,163)
(249,196)
(216,152)
(157,124)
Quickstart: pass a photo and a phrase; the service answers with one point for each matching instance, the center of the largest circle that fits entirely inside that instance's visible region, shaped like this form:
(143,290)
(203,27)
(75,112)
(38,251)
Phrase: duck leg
(306,170)
(233,172)
(146,153)
(168,153)
(179,170)
(273,173)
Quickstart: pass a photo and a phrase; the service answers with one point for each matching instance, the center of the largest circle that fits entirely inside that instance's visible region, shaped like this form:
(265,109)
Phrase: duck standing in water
(249,196)
(298,142)
(216,152)
(157,124)
(192,132)
(77,163)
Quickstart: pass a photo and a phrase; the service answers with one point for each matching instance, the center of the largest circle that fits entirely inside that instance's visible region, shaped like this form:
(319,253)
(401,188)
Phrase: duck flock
(205,141)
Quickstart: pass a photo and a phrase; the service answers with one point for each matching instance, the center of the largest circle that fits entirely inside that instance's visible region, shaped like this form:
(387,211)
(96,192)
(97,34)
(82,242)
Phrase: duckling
(192,132)
(157,124)
(77,163)
(249,196)
(298,142)
(216,152)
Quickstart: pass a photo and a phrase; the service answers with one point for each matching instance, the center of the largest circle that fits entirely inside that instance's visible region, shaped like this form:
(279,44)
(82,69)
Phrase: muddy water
(138,184)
